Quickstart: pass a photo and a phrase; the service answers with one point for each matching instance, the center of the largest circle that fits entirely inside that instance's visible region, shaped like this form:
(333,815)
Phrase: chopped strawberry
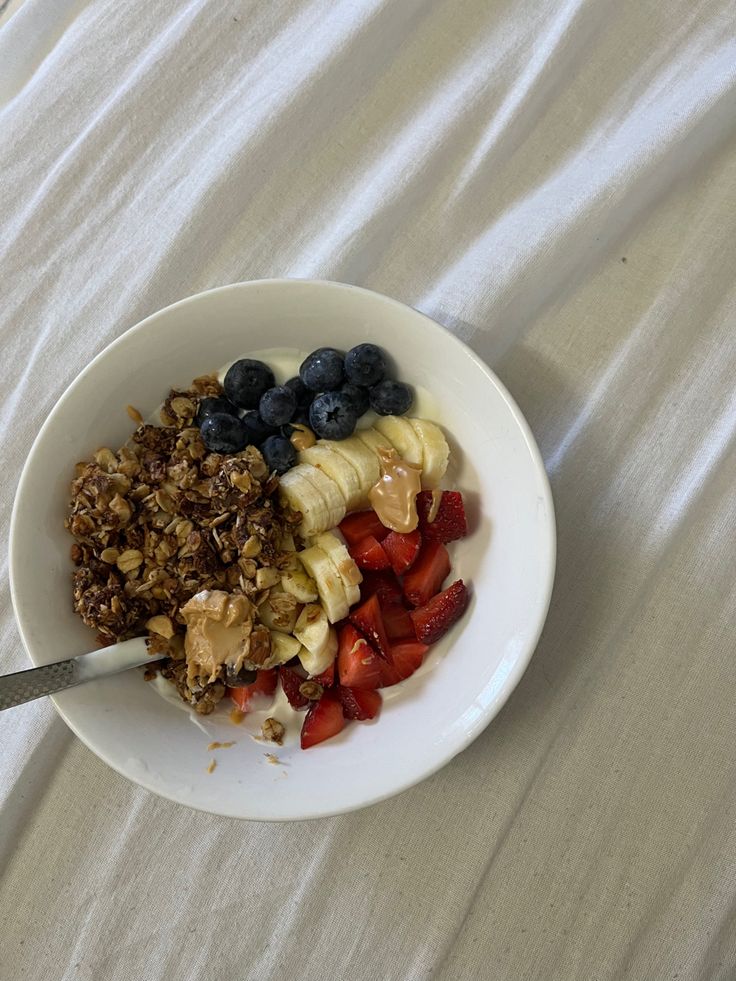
(426,576)
(359,525)
(397,622)
(358,665)
(402,549)
(358,703)
(248,697)
(367,618)
(384,585)
(290,682)
(369,554)
(407,657)
(449,523)
(327,678)
(323,720)
(436,617)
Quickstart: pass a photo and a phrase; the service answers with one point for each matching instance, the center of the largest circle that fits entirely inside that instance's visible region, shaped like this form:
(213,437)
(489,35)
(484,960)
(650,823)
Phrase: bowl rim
(520,664)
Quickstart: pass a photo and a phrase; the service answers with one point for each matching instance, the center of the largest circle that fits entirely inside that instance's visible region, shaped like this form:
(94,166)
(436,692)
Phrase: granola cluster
(162,519)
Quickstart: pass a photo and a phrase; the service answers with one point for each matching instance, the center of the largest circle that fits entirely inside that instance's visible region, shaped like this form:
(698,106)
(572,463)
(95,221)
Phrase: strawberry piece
(402,549)
(450,522)
(367,618)
(360,525)
(407,657)
(290,682)
(248,697)
(426,576)
(323,720)
(436,617)
(327,678)
(358,703)
(384,585)
(369,554)
(358,665)
(397,622)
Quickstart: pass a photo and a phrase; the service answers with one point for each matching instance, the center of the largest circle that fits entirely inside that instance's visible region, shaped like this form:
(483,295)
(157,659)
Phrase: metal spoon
(24,686)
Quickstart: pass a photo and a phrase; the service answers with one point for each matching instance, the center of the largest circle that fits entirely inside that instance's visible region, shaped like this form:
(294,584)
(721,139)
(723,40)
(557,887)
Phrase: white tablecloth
(555,182)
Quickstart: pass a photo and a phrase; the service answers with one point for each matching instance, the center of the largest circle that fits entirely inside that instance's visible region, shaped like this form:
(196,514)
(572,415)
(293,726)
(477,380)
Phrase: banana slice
(330,492)
(403,436)
(300,586)
(328,581)
(364,461)
(312,629)
(283,648)
(301,494)
(374,440)
(339,469)
(343,561)
(279,611)
(436,451)
(315,664)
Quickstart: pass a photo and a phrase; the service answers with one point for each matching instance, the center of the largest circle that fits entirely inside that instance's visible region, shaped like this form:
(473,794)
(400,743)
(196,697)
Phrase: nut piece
(273,731)
(129,560)
(311,690)
(160,625)
(267,577)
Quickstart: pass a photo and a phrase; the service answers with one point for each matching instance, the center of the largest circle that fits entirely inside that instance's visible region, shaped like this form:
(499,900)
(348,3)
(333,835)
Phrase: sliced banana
(279,610)
(339,469)
(403,436)
(374,440)
(315,664)
(300,585)
(330,492)
(312,629)
(328,581)
(436,451)
(283,648)
(344,563)
(302,495)
(364,461)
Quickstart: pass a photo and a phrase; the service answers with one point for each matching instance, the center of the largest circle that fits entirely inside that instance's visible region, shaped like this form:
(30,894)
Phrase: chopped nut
(311,690)
(106,460)
(160,625)
(267,577)
(273,731)
(251,548)
(130,559)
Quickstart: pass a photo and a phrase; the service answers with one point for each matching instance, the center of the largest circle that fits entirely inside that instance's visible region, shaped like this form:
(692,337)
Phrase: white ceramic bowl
(508,560)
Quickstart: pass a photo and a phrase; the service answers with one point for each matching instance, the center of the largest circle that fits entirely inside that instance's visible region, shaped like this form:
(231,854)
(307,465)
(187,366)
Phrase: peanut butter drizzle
(219,626)
(302,437)
(435,506)
(394,497)
(236,716)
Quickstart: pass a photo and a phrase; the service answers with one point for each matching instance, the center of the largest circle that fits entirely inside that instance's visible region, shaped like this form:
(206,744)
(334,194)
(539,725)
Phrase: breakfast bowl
(507,559)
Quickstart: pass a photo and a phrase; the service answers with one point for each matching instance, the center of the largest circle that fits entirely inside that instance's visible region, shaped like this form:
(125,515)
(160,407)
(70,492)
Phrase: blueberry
(358,397)
(222,433)
(257,429)
(332,416)
(323,370)
(302,417)
(246,381)
(365,365)
(391,398)
(209,406)
(277,405)
(279,454)
(303,395)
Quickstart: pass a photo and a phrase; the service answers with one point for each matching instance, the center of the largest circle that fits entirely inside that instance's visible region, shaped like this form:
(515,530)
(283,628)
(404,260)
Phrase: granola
(162,519)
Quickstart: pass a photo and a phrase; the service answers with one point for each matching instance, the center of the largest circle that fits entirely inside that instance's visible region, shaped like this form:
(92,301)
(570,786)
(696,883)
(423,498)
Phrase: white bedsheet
(555,182)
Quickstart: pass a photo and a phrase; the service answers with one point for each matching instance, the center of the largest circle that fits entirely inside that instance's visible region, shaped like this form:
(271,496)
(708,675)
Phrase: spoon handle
(24,686)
